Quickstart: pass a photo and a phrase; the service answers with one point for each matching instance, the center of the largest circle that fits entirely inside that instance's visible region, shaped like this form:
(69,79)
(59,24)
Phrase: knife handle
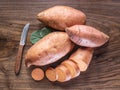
(19,60)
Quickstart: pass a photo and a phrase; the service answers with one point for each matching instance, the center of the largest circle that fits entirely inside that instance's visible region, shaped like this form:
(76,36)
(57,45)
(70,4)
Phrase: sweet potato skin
(87,36)
(82,56)
(49,49)
(60,17)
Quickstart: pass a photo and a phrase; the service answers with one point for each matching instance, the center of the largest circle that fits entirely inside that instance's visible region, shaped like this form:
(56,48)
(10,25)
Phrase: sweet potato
(67,70)
(86,36)
(82,57)
(71,68)
(60,17)
(60,73)
(49,49)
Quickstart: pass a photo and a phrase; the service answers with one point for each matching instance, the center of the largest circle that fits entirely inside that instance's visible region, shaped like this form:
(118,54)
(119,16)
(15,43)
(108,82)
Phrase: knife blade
(20,49)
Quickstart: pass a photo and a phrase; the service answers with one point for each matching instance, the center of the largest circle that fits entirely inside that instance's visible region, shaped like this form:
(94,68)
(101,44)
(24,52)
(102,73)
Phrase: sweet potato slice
(51,74)
(37,74)
(72,67)
(63,73)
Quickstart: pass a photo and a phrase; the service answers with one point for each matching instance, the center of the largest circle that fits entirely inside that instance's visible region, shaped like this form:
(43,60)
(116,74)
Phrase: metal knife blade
(24,34)
(20,50)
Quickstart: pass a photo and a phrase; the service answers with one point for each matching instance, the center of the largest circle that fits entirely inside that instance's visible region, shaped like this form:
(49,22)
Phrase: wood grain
(104,70)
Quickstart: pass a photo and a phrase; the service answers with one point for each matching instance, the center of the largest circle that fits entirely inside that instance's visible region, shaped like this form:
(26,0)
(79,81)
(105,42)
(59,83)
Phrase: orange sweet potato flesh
(49,49)
(63,73)
(60,17)
(51,74)
(37,74)
(72,67)
(87,36)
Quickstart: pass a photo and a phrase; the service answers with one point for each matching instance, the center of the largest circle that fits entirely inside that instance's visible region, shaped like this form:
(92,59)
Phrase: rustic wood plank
(104,70)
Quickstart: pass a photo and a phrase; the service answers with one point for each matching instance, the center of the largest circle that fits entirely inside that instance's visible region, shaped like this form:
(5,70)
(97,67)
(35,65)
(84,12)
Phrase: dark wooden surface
(104,70)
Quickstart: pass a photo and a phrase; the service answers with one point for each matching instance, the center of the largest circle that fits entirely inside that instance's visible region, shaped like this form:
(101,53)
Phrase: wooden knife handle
(19,60)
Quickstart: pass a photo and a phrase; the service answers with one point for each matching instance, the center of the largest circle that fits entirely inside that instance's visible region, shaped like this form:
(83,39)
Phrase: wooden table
(104,70)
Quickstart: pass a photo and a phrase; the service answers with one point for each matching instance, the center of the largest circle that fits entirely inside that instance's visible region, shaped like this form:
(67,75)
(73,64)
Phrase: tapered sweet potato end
(27,62)
(70,31)
(106,37)
(40,16)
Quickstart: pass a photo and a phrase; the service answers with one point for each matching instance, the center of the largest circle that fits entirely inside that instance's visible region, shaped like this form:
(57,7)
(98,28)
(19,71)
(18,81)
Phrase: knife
(20,50)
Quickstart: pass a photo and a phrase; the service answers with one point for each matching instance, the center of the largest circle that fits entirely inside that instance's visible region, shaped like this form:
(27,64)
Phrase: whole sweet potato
(60,17)
(86,36)
(49,49)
